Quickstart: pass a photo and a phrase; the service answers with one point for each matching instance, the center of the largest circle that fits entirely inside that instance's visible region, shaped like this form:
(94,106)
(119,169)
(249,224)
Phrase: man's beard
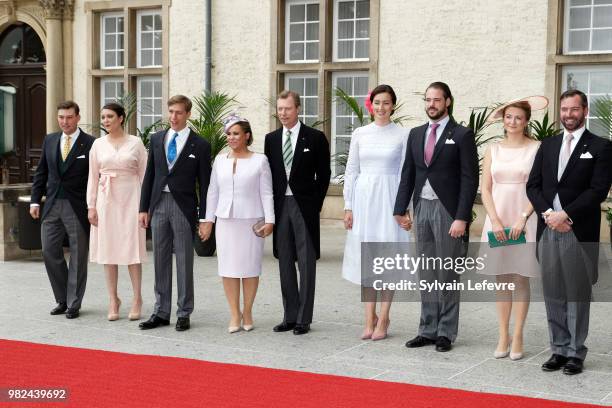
(436,115)
(577,125)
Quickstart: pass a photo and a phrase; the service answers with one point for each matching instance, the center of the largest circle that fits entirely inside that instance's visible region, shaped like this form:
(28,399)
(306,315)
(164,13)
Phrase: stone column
(54,11)
(68,51)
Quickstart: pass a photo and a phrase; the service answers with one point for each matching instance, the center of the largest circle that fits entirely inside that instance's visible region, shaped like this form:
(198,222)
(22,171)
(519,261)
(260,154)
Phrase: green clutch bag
(493,242)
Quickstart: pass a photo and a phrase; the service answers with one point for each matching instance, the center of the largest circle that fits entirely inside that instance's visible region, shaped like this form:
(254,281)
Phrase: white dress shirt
(73,138)
(181,139)
(428,192)
(577,135)
(295,131)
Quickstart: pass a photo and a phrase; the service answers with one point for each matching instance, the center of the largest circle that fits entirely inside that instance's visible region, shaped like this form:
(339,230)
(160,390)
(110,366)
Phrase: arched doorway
(23,84)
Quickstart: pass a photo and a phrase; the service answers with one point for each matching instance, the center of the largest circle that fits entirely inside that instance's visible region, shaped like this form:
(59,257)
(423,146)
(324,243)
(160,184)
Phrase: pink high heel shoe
(367,334)
(381,334)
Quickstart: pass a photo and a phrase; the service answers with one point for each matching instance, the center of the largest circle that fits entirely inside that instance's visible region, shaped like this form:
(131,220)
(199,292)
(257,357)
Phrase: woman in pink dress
(505,172)
(117,163)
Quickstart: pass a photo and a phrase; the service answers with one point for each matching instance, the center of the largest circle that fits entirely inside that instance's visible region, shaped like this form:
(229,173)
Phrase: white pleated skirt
(239,250)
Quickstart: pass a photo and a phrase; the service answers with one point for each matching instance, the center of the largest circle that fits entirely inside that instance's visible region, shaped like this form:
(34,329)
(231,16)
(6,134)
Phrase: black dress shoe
(301,329)
(182,324)
(59,309)
(419,341)
(153,322)
(573,366)
(443,344)
(283,327)
(72,313)
(554,363)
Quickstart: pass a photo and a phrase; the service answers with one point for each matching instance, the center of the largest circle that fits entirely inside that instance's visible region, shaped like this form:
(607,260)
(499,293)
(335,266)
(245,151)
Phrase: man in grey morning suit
(299,160)
(569,180)
(441,168)
(61,176)
(179,163)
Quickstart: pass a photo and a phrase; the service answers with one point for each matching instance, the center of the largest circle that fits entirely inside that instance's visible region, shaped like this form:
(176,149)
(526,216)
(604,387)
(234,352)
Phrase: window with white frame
(149,38)
(302,31)
(344,120)
(351,30)
(588,26)
(595,82)
(111,38)
(307,85)
(111,89)
(149,96)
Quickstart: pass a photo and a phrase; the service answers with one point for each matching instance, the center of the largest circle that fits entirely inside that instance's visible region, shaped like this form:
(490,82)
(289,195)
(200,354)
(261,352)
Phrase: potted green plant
(207,121)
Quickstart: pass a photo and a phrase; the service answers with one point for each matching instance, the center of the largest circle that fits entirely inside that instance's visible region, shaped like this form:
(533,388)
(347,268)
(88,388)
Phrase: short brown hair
(570,93)
(176,99)
(69,105)
(290,94)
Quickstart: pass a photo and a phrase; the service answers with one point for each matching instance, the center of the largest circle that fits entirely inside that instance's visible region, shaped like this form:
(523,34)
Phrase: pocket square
(306,149)
(81,156)
(449,141)
(586,155)
(191,156)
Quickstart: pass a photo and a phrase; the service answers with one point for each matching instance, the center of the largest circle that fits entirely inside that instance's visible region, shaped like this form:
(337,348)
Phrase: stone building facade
(488,52)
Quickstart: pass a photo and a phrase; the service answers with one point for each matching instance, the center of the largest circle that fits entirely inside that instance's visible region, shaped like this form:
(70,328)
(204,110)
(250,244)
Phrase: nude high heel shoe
(135,312)
(114,314)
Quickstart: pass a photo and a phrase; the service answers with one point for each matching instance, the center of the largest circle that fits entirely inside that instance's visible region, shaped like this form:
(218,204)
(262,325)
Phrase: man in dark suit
(569,179)
(441,169)
(61,176)
(300,163)
(178,169)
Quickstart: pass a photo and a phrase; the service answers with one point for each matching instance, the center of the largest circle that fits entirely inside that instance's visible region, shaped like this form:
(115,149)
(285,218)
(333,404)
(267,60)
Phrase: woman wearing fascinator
(510,218)
(240,201)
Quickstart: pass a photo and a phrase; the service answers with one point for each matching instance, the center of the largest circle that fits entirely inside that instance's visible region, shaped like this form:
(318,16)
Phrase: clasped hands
(205,230)
(457,229)
(515,230)
(558,221)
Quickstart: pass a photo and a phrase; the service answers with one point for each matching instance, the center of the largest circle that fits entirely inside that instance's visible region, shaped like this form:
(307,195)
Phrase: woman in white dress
(240,200)
(371,181)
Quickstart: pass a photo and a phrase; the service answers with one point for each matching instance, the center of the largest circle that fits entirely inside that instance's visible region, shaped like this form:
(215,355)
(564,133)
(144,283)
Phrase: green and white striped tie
(287,150)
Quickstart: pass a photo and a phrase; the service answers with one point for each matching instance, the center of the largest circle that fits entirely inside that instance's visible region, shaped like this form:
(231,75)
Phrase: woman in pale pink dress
(505,172)
(117,163)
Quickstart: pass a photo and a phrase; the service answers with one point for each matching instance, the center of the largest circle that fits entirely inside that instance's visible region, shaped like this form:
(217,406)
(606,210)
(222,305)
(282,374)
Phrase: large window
(588,26)
(351,29)
(111,40)
(595,82)
(344,120)
(324,45)
(149,29)
(580,53)
(149,101)
(130,63)
(307,85)
(111,89)
(302,31)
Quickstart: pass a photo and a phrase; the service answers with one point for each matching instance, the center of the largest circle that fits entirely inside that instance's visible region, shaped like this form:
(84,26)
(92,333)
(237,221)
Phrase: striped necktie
(287,150)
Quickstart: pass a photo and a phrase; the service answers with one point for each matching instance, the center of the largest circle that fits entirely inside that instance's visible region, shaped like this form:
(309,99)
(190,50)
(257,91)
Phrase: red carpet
(107,379)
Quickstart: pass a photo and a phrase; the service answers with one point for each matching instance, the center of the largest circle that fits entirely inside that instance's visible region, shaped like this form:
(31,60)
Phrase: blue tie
(172,149)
